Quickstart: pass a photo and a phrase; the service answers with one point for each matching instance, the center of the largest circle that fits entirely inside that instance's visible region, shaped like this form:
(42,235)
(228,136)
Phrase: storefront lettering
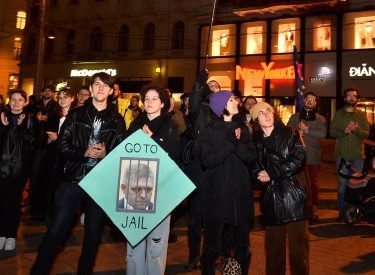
(316,79)
(266,73)
(85,72)
(358,71)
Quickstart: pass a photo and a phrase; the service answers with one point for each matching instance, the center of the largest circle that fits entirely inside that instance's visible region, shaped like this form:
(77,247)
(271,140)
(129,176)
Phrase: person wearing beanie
(226,149)
(278,172)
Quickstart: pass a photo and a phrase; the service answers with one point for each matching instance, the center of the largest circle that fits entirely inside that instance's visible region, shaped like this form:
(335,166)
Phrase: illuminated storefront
(262,65)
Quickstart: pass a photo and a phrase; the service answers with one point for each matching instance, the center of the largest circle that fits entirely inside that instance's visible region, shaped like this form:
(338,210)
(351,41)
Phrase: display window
(285,34)
(223,70)
(320,33)
(251,76)
(223,40)
(359,29)
(253,37)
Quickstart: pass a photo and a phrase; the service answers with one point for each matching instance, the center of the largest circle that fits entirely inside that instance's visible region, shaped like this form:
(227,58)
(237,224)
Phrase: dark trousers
(11,190)
(314,182)
(67,199)
(298,239)
(194,210)
(211,245)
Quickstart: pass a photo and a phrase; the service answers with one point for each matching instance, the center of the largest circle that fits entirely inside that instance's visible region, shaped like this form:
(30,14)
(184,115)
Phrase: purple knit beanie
(219,100)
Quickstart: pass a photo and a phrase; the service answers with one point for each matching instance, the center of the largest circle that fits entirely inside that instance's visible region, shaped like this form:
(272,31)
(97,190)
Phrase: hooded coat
(227,195)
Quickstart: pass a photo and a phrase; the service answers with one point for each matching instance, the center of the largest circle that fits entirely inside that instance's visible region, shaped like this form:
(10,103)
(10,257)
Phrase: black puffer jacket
(166,132)
(287,197)
(75,133)
(227,195)
(16,146)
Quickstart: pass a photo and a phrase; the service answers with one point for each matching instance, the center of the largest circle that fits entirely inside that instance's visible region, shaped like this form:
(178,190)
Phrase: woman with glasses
(50,167)
(149,257)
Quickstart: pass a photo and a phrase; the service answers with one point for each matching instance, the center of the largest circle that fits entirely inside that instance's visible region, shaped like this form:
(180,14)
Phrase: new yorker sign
(267,72)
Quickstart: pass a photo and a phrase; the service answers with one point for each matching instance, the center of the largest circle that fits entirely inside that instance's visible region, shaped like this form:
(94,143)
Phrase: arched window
(178,35)
(96,40)
(70,41)
(31,45)
(50,43)
(148,37)
(123,42)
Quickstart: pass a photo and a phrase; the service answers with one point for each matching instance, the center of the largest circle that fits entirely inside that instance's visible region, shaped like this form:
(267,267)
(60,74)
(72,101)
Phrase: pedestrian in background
(350,128)
(312,128)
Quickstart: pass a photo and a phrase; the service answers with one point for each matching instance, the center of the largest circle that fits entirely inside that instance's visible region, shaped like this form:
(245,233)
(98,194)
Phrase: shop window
(31,44)
(17,48)
(148,37)
(21,20)
(123,42)
(96,40)
(220,42)
(364,32)
(178,35)
(287,38)
(285,35)
(323,36)
(70,42)
(254,40)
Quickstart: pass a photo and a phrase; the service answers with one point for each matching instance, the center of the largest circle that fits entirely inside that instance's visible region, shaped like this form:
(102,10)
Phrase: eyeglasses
(351,96)
(62,98)
(309,100)
(83,95)
(151,99)
(213,86)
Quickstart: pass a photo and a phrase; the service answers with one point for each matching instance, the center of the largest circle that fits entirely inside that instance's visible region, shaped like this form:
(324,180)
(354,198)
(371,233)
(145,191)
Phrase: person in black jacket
(285,199)
(150,255)
(18,131)
(227,198)
(88,134)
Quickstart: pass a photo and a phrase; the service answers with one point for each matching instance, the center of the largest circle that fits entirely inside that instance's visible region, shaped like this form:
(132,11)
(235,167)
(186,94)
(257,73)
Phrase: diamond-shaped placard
(103,184)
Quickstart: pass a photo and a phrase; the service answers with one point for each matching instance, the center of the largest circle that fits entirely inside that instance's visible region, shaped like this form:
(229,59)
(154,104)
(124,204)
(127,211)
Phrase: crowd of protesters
(225,143)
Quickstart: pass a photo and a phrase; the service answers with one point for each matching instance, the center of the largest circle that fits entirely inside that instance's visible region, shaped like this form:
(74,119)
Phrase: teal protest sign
(137,185)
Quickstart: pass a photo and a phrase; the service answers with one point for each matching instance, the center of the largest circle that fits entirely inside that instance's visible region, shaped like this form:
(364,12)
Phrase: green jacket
(349,146)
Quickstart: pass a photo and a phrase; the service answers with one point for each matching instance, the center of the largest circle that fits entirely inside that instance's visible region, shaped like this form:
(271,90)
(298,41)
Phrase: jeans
(298,239)
(149,257)
(67,199)
(314,182)
(357,164)
(11,190)
(211,245)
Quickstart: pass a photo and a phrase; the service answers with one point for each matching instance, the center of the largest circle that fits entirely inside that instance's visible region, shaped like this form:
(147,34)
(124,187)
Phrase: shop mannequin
(289,40)
(368,35)
(224,44)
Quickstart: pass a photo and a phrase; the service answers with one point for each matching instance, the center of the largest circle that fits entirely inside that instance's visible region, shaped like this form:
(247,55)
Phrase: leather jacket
(286,197)
(74,138)
(17,145)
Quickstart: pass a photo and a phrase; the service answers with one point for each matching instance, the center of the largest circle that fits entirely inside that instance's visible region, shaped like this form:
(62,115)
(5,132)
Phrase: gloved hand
(202,76)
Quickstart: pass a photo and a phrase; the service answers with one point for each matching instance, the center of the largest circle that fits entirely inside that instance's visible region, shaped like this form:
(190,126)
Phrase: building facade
(250,49)
(13,20)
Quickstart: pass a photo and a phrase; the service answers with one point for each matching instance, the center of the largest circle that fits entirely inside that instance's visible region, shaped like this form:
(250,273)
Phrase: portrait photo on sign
(137,185)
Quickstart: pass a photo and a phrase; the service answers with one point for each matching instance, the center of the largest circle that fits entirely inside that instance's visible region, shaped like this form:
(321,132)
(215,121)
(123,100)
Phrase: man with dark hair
(350,128)
(83,95)
(88,134)
(312,127)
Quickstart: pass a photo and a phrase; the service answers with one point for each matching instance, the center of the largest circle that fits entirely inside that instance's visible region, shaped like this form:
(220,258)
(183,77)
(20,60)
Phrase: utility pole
(39,68)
